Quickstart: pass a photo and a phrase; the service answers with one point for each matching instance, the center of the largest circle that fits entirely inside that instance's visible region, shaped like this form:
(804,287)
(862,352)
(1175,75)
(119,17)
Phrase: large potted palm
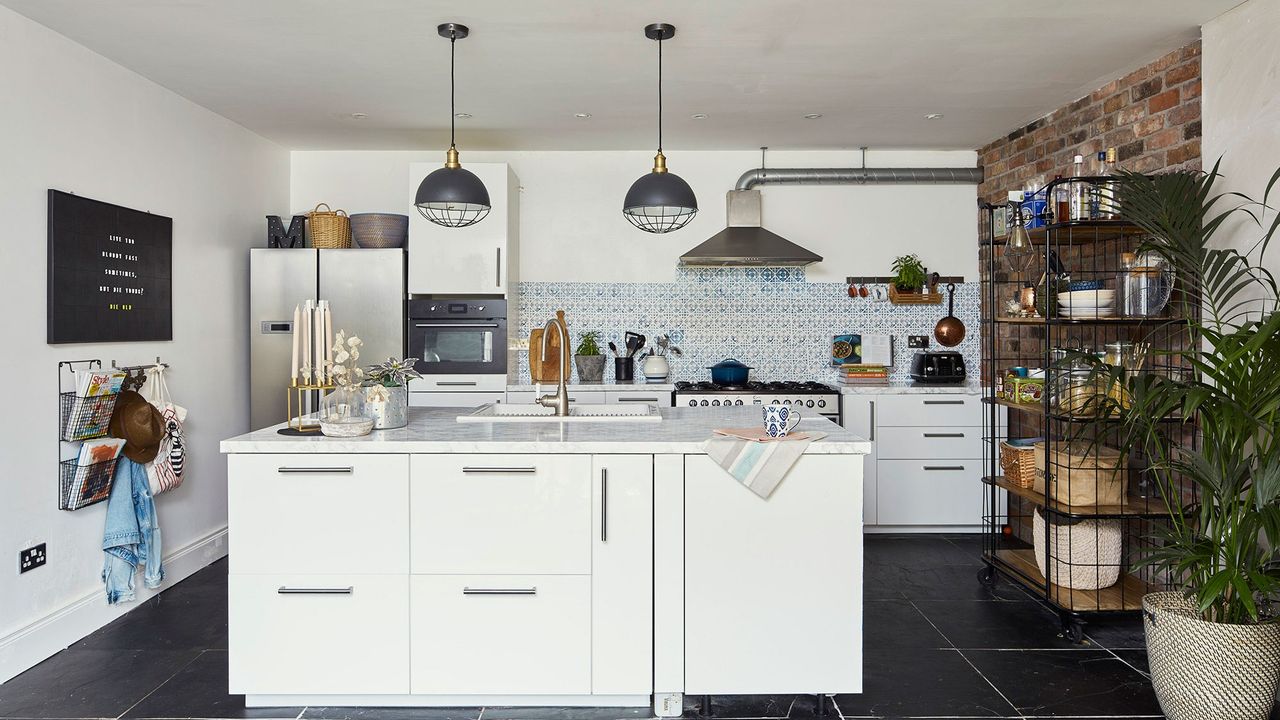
(1214,643)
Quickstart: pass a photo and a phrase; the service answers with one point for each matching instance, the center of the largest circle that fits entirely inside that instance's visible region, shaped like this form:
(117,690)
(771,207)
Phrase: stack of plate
(1087,304)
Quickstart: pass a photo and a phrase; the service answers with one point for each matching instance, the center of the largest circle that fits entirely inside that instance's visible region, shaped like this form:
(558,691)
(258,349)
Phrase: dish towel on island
(760,466)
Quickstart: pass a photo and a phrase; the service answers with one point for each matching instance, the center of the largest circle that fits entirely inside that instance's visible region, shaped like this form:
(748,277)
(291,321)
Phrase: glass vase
(342,413)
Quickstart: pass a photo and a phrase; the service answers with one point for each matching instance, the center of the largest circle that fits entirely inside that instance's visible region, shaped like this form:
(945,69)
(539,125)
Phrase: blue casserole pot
(729,372)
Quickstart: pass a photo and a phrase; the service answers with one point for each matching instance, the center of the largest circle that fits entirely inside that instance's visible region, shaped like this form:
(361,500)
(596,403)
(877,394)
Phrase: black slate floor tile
(737,706)
(918,551)
(190,615)
(1067,682)
(393,713)
(1114,633)
(918,682)
(996,625)
(956,583)
(897,624)
(199,690)
(89,683)
(562,713)
(1137,659)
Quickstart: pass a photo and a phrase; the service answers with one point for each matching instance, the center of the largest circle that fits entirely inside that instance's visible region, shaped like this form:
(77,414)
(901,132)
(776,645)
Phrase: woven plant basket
(1084,555)
(1018,463)
(380,230)
(329,229)
(1209,671)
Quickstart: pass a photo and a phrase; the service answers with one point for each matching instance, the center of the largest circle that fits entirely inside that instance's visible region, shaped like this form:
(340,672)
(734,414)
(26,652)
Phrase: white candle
(306,343)
(318,330)
(328,335)
(293,364)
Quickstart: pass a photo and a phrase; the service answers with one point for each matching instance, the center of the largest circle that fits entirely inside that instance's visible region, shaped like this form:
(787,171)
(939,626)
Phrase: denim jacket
(132,533)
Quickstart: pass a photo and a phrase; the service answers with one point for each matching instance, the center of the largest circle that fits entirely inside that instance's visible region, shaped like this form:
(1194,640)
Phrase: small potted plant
(655,366)
(910,282)
(589,359)
(387,392)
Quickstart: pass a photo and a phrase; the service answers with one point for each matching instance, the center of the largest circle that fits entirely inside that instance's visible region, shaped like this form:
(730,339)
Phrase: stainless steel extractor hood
(744,243)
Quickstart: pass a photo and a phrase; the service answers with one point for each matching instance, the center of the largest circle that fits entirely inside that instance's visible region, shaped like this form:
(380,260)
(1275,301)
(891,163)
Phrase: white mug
(780,420)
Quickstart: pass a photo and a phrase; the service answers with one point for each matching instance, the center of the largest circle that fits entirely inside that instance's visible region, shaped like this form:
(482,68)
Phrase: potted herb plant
(909,274)
(1214,644)
(589,359)
(387,392)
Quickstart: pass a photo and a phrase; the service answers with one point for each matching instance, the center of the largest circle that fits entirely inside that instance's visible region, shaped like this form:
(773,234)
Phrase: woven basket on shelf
(329,229)
(380,230)
(1085,555)
(1018,464)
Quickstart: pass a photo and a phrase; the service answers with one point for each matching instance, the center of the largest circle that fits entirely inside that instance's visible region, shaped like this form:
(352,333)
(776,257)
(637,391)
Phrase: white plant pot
(1209,671)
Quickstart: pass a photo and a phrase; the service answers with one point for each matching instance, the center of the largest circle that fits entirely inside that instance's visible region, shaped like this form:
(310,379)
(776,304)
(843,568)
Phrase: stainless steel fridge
(366,292)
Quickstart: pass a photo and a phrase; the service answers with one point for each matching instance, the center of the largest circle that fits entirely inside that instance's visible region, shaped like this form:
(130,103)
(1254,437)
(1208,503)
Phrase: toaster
(937,367)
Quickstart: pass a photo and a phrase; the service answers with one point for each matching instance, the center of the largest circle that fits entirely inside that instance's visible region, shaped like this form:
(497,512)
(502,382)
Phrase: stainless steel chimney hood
(744,243)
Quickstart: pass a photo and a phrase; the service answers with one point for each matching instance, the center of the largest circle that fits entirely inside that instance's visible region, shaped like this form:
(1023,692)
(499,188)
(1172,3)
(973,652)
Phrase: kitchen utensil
(862,291)
(624,369)
(729,372)
(950,330)
(779,420)
(613,348)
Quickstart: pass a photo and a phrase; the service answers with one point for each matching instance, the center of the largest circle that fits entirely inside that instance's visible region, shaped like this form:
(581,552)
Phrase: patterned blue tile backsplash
(770,318)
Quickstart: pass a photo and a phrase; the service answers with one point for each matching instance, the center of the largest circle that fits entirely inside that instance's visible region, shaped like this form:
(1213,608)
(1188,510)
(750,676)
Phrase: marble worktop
(436,430)
(907,387)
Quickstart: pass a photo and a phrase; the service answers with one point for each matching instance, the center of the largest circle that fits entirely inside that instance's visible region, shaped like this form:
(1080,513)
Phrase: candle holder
(295,394)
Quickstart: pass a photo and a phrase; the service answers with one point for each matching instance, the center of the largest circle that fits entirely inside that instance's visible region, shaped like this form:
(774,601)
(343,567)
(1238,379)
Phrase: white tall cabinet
(482,259)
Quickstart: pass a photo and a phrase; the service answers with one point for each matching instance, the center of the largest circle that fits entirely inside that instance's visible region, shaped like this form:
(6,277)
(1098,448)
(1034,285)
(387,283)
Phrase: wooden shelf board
(1083,321)
(1078,232)
(1124,595)
(1132,506)
(1037,409)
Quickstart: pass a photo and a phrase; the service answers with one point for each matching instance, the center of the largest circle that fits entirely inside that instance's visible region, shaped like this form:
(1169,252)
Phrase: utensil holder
(624,369)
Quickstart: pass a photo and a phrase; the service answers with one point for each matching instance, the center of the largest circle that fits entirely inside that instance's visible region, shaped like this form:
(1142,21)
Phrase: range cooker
(816,396)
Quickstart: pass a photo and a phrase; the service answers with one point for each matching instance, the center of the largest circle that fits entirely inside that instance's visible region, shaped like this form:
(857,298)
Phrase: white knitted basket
(1085,556)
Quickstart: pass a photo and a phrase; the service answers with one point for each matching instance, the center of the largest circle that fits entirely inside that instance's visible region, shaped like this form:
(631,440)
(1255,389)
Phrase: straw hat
(139,424)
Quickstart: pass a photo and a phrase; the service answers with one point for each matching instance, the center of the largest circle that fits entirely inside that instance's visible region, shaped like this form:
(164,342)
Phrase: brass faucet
(560,400)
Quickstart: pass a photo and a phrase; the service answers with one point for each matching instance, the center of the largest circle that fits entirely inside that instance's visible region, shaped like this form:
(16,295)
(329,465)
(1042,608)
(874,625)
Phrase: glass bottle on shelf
(1061,200)
(1079,192)
(1106,191)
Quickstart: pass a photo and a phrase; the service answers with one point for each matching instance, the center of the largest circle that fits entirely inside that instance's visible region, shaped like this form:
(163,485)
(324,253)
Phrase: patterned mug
(780,420)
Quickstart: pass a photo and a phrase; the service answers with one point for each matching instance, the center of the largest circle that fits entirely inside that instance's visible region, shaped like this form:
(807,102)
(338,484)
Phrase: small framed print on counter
(110,272)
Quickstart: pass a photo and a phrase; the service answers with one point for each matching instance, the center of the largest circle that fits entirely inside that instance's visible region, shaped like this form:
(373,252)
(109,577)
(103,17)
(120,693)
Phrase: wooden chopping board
(548,371)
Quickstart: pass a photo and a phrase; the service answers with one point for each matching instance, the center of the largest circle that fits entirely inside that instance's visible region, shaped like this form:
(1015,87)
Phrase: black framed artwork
(110,272)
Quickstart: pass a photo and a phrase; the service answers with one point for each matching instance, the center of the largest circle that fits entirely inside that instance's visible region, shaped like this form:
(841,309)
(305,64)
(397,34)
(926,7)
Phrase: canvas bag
(165,472)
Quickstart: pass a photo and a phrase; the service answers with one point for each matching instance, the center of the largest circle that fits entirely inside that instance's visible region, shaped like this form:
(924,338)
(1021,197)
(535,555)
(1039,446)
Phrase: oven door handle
(455,325)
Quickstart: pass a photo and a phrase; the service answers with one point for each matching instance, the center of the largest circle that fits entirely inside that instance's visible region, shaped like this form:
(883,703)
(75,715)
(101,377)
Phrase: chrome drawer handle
(316,591)
(347,469)
(455,383)
(943,402)
(637,399)
(506,470)
(499,591)
(604,504)
(944,435)
(455,325)
(944,467)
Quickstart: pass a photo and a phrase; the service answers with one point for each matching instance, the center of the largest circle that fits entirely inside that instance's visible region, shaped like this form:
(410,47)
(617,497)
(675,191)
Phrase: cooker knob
(703,403)
(822,403)
(738,401)
(787,401)
(716,403)
(693,403)
(808,403)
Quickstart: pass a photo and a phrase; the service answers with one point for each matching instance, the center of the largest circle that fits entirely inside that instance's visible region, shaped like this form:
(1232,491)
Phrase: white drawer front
(927,443)
(508,634)
(495,514)
(489,382)
(454,399)
(319,634)
(929,492)
(929,409)
(657,398)
(318,513)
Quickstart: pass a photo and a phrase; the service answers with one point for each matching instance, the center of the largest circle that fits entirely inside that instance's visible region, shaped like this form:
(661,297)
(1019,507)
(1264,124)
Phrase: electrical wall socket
(918,341)
(31,558)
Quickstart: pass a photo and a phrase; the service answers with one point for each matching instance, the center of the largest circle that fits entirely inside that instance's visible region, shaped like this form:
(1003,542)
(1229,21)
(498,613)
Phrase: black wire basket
(84,418)
(84,485)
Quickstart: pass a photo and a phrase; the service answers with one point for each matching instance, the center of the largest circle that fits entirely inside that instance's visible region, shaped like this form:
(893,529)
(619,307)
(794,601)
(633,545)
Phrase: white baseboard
(33,643)
(447,700)
(922,529)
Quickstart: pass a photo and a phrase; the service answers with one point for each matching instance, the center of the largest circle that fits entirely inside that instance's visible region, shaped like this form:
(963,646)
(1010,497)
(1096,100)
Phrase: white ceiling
(295,70)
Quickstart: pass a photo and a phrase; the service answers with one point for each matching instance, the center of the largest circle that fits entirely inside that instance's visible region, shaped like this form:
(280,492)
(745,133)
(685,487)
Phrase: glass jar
(342,412)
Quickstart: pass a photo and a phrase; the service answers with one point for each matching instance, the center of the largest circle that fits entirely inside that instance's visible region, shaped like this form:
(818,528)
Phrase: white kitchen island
(550,564)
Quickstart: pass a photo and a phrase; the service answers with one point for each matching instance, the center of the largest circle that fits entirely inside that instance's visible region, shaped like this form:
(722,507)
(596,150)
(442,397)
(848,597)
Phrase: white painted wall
(1241,75)
(572,229)
(78,122)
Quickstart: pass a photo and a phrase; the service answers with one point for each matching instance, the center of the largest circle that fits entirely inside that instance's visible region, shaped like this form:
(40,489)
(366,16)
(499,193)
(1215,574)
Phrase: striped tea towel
(758,465)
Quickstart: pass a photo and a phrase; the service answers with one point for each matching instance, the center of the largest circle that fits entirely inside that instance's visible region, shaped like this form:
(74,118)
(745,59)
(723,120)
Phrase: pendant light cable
(659,94)
(453,118)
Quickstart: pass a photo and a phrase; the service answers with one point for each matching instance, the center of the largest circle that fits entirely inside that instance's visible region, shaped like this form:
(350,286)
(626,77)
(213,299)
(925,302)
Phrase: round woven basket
(380,230)
(1083,556)
(329,229)
(1209,671)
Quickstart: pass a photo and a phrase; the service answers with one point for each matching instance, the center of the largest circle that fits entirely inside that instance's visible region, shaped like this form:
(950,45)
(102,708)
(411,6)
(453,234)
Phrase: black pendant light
(660,201)
(452,196)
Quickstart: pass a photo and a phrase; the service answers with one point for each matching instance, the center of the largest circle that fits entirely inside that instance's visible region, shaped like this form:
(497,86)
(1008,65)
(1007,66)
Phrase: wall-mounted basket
(897,297)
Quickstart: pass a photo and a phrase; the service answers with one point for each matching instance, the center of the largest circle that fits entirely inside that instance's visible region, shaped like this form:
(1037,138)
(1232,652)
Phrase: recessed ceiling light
(582,116)
(462,116)
(813,116)
(933,116)
(358,116)
(699,116)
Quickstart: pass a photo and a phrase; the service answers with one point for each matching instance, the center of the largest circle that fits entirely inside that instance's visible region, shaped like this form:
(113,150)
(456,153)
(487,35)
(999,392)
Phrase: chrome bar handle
(944,435)
(944,467)
(604,504)
(503,470)
(943,402)
(499,591)
(347,469)
(285,590)
(638,399)
(497,270)
(873,420)
(456,383)
(455,325)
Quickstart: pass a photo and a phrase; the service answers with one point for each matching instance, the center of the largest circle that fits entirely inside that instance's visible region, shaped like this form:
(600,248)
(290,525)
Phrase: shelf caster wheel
(987,575)
(823,706)
(1073,629)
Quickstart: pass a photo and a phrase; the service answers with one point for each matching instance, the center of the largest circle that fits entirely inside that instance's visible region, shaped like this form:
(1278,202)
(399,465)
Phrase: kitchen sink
(609,412)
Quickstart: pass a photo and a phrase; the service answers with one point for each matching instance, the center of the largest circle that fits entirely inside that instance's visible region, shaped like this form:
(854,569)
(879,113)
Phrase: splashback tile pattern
(770,318)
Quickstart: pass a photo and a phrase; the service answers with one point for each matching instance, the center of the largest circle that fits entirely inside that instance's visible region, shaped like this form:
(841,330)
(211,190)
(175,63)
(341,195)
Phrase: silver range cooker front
(826,404)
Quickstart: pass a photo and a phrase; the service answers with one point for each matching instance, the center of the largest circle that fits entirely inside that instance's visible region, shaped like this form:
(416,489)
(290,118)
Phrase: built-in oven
(458,337)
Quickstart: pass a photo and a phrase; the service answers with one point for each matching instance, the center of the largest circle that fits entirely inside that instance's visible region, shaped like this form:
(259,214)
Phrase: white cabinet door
(929,409)
(773,588)
(657,398)
(930,492)
(622,575)
(318,634)
(318,513)
(501,634)
(929,442)
(858,413)
(496,514)
(467,260)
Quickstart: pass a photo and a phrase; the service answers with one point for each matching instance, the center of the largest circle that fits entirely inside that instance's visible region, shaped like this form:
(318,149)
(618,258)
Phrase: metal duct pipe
(858,176)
